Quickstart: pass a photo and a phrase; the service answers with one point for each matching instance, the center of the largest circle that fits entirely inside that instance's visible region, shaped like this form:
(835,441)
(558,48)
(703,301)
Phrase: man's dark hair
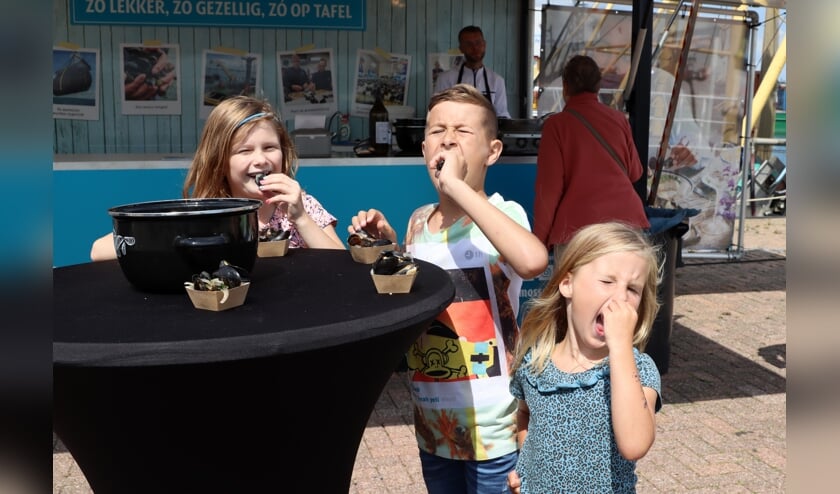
(469,29)
(581,74)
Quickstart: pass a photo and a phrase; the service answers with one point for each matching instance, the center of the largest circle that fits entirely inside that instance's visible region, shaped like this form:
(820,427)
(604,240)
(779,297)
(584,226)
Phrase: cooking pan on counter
(161,244)
(410,133)
(520,125)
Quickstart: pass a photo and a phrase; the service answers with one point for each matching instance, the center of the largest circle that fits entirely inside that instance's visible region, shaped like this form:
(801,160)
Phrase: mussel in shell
(361,238)
(259,177)
(391,262)
(226,277)
(271,234)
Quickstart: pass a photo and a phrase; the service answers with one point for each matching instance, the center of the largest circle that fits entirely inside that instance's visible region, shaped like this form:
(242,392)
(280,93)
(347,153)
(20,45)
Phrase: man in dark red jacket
(579,182)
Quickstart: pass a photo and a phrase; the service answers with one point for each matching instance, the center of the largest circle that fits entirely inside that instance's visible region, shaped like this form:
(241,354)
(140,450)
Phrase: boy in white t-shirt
(464,412)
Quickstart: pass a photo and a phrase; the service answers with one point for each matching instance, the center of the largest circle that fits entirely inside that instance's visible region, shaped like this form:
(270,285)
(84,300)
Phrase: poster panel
(308,84)
(76,83)
(149,79)
(709,111)
(441,62)
(383,73)
(228,73)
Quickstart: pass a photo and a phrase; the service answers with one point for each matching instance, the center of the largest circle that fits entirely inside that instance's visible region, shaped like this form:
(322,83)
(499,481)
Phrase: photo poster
(228,72)
(76,83)
(708,113)
(150,76)
(441,62)
(603,35)
(308,84)
(378,71)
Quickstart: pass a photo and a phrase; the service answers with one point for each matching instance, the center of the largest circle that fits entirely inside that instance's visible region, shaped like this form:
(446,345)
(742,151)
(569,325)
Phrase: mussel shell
(358,238)
(392,262)
(231,275)
(362,238)
(283,235)
(274,234)
(201,281)
(259,177)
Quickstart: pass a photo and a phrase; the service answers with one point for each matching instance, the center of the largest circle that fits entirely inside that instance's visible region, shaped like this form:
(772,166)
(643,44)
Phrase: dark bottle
(379,128)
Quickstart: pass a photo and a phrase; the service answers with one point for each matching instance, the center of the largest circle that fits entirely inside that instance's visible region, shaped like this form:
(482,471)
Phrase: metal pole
(637,101)
(714,255)
(672,105)
(746,147)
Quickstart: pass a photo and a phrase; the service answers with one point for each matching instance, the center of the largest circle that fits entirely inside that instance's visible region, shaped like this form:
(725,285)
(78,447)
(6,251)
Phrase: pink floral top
(313,208)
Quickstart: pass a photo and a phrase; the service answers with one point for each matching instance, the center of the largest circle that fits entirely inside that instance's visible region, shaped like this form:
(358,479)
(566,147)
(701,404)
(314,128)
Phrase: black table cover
(152,395)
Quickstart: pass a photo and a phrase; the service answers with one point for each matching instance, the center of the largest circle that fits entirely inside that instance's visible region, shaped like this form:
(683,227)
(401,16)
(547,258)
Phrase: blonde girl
(587,395)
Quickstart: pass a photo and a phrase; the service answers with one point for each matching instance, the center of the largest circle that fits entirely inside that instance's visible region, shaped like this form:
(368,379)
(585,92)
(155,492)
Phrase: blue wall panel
(82,198)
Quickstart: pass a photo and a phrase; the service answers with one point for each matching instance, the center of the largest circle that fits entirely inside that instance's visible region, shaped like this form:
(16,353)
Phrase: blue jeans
(445,476)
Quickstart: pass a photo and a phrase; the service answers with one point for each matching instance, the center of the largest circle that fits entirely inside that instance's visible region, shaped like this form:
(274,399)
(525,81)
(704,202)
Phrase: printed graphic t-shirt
(463,408)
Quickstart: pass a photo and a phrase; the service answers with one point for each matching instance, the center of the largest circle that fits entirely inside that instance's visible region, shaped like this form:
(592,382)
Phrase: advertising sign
(299,14)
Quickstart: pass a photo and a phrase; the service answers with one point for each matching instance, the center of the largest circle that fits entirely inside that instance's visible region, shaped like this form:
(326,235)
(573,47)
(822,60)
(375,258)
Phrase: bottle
(344,128)
(379,128)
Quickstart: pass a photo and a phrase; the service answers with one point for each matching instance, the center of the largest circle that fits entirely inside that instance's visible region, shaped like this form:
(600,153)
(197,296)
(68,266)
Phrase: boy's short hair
(581,75)
(465,93)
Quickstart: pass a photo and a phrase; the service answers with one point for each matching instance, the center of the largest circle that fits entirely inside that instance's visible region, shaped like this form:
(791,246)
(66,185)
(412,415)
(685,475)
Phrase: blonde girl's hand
(620,319)
(280,189)
(514,482)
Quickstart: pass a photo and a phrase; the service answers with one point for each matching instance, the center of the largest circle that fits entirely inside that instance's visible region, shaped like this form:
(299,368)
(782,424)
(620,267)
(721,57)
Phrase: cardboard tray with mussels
(273,242)
(365,248)
(394,272)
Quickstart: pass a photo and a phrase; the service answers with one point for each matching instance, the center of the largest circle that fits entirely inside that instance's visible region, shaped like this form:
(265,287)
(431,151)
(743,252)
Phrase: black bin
(667,226)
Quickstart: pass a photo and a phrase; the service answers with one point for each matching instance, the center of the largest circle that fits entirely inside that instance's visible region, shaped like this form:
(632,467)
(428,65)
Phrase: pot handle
(200,242)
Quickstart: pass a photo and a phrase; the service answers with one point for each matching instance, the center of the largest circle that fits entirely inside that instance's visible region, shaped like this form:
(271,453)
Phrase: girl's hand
(374,223)
(619,322)
(514,482)
(281,189)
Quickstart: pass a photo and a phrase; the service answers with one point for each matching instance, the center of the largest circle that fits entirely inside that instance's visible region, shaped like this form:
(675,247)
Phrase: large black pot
(161,244)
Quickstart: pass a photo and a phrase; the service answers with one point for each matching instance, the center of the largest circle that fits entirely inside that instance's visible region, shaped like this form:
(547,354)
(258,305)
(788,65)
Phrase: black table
(152,395)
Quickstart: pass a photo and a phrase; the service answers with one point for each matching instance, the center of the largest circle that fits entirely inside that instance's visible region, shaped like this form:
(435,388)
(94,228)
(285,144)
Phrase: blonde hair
(464,93)
(234,116)
(546,323)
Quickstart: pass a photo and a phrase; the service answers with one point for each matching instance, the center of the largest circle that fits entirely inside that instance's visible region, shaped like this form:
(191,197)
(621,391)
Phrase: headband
(250,118)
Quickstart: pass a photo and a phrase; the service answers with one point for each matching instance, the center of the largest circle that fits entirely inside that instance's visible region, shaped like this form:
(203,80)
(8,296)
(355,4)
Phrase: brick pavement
(722,425)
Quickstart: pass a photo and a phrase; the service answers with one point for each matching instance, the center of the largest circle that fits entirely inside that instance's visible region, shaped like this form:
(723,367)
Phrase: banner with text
(295,14)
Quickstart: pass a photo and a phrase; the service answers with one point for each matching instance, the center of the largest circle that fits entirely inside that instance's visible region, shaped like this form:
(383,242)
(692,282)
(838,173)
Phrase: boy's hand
(452,160)
(374,223)
(514,482)
(447,167)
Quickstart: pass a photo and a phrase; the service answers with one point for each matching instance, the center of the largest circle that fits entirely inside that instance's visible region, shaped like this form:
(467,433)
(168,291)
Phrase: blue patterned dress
(570,446)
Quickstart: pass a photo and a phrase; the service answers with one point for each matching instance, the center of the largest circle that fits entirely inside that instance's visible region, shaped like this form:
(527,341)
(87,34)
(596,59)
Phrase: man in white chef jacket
(473,71)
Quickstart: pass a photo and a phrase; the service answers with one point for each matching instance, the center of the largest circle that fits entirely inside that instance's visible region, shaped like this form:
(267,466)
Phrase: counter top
(80,162)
